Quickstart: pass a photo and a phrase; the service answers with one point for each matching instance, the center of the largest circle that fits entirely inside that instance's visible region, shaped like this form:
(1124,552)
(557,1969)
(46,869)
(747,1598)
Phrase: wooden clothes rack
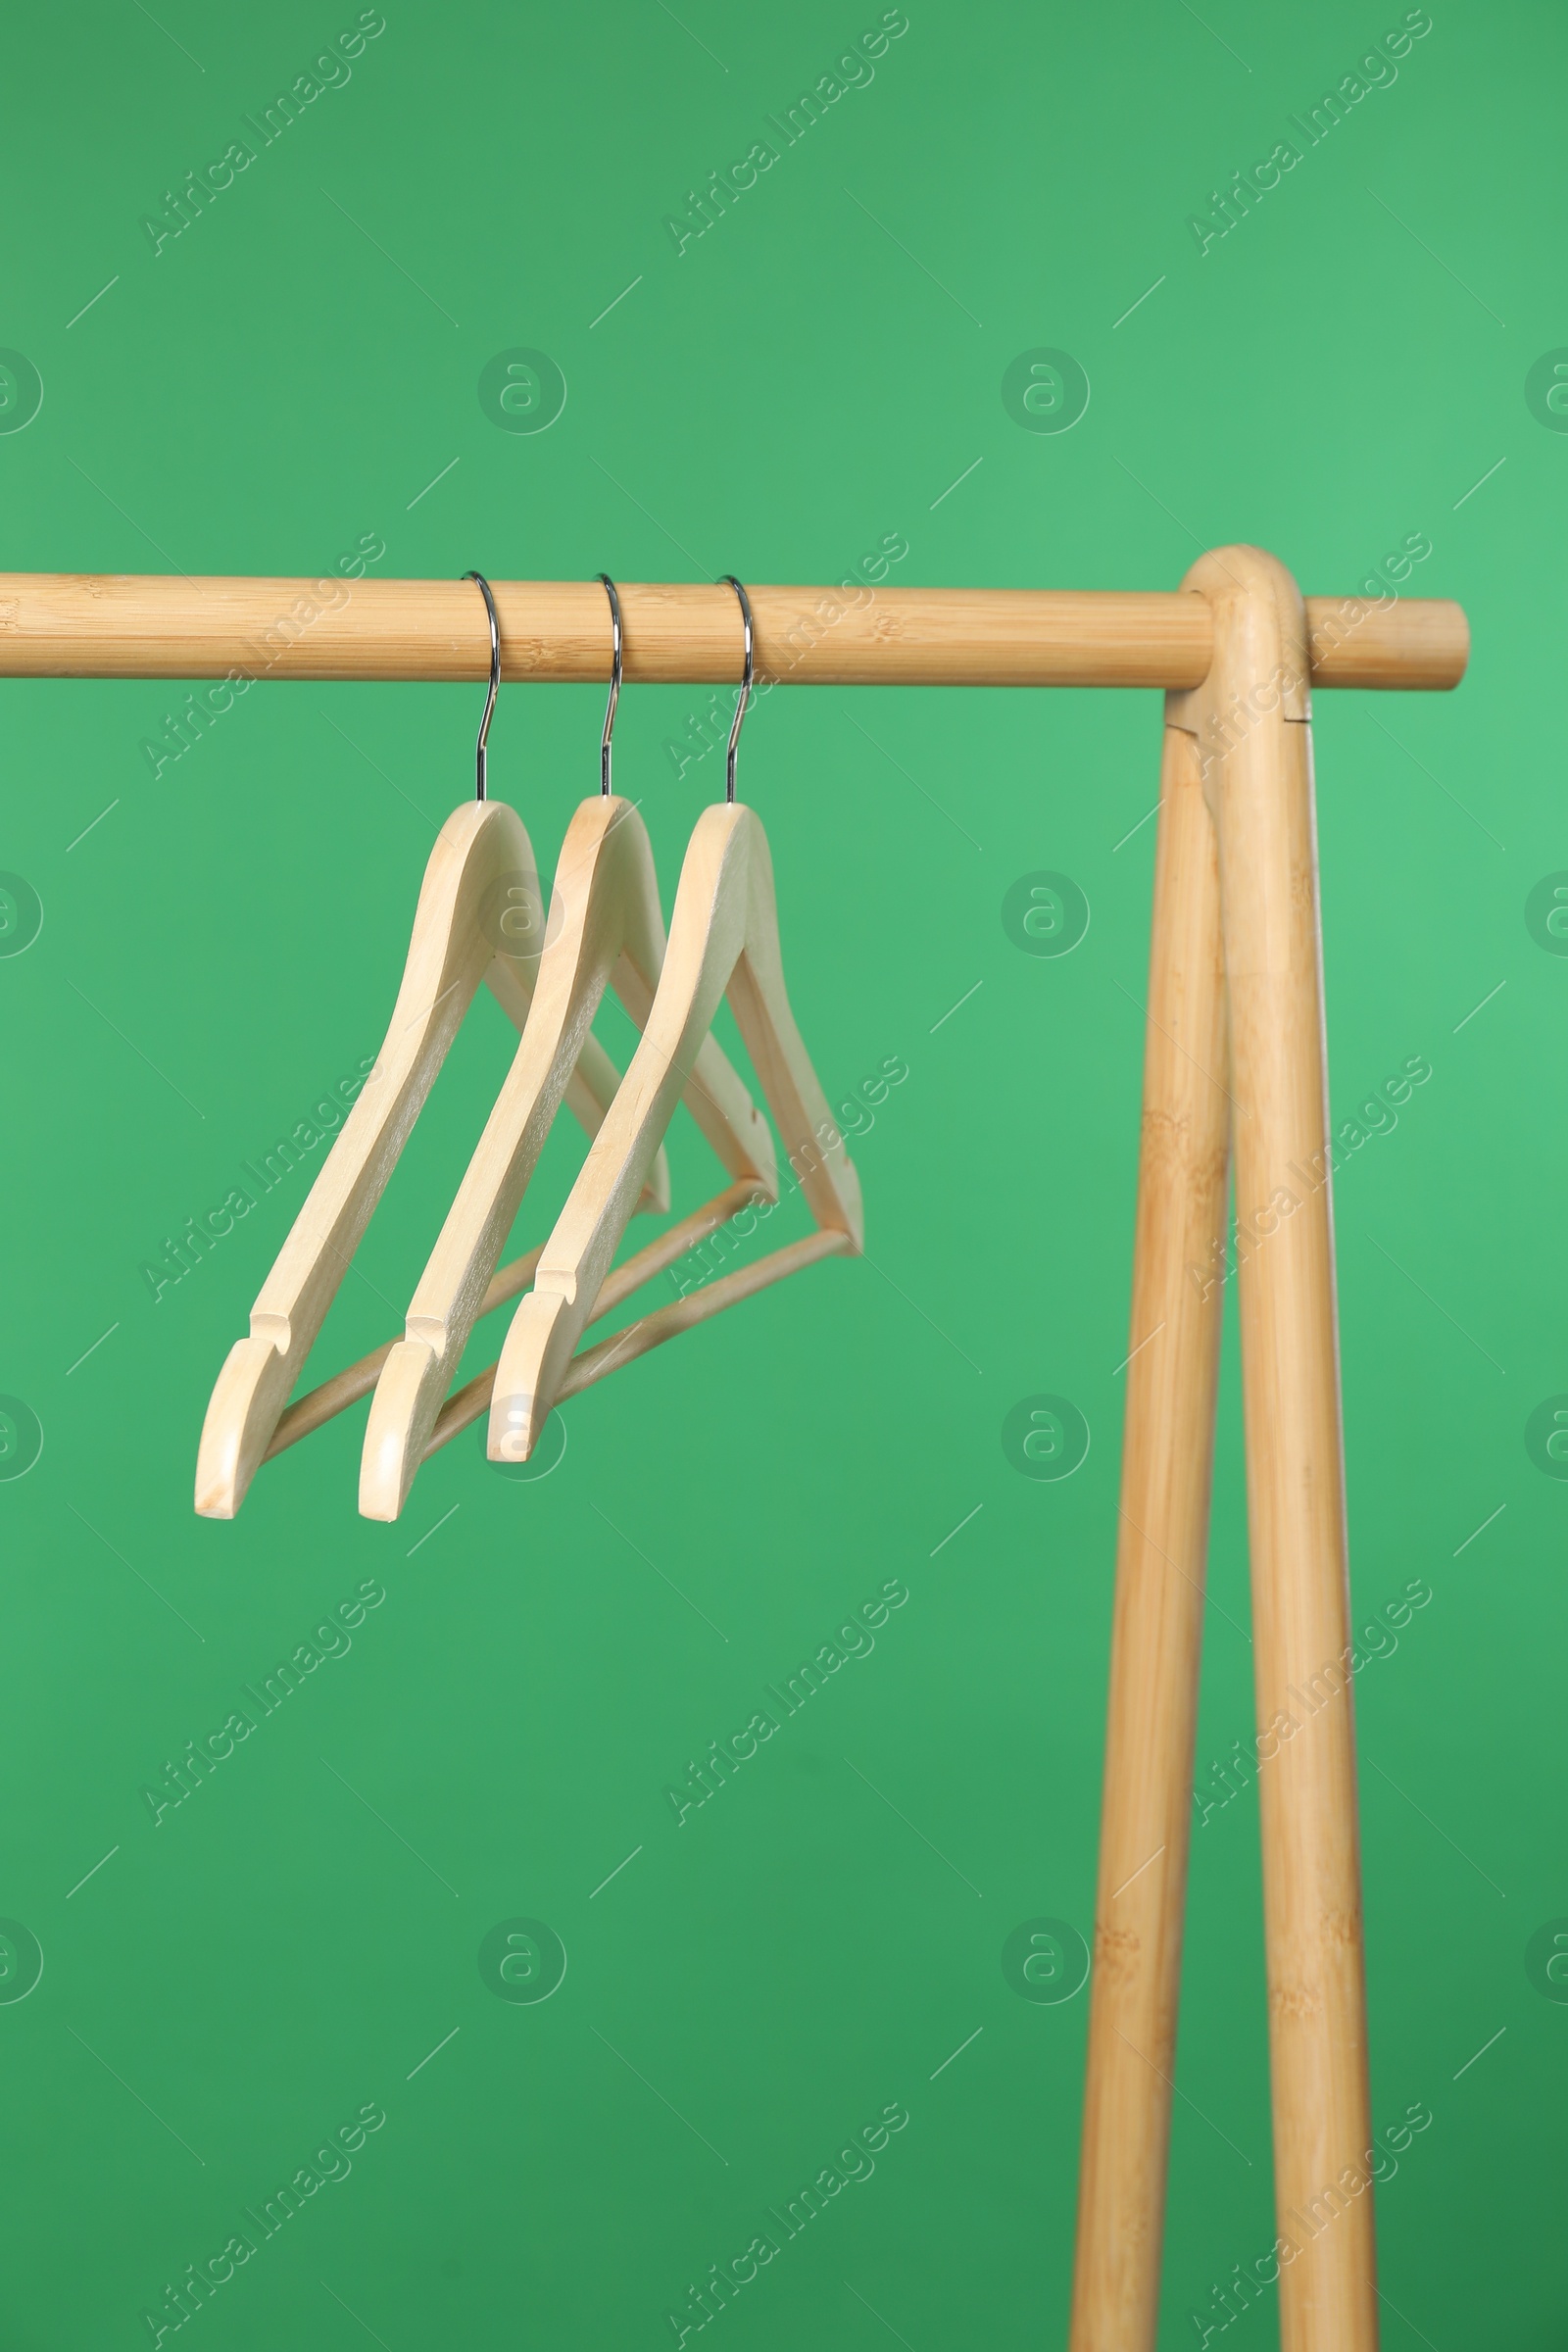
(1233,1085)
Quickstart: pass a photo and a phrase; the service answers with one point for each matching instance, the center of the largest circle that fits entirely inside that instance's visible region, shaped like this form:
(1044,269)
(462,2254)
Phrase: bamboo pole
(1167,1459)
(121,627)
(1251,725)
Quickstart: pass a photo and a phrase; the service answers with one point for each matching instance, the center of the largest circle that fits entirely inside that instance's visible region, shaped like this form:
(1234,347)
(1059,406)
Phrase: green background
(810,376)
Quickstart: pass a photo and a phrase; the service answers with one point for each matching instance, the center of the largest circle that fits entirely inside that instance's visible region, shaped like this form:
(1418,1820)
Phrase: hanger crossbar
(466,1404)
(591,1364)
(699,1306)
(320,1405)
(57,624)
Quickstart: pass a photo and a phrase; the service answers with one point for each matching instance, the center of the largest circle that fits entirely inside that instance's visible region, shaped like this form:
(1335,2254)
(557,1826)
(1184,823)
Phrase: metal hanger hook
(615,683)
(495,681)
(730,581)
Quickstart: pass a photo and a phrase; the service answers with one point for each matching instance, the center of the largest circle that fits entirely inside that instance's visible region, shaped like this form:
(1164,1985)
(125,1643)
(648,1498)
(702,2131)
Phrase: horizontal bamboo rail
(82,625)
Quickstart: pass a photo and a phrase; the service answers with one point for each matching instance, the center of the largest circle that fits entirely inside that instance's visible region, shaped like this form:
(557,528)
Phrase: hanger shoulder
(813,1143)
(479,852)
(707,930)
(591,1087)
(717,1095)
(723,916)
(604,904)
(606,924)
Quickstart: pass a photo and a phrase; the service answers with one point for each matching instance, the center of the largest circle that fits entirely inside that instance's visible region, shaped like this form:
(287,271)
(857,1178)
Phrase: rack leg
(1250,722)
(1167,1454)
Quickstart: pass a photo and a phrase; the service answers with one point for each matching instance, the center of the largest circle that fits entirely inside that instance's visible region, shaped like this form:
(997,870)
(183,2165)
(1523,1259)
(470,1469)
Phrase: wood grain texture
(699,1306)
(481,858)
(605,927)
(335,1395)
(723,940)
(108,626)
(466,1404)
(343,1389)
(1254,747)
(1162,1538)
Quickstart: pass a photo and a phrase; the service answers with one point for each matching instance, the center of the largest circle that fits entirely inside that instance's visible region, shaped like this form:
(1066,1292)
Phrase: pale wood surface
(1162,1536)
(480,850)
(62,624)
(335,1395)
(723,936)
(466,1404)
(699,1306)
(605,926)
(1258,781)
(1419,642)
(591,1087)
(346,1388)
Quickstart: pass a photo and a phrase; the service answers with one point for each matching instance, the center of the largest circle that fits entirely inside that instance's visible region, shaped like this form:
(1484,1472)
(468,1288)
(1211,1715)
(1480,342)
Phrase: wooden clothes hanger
(478,917)
(723,939)
(605,927)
